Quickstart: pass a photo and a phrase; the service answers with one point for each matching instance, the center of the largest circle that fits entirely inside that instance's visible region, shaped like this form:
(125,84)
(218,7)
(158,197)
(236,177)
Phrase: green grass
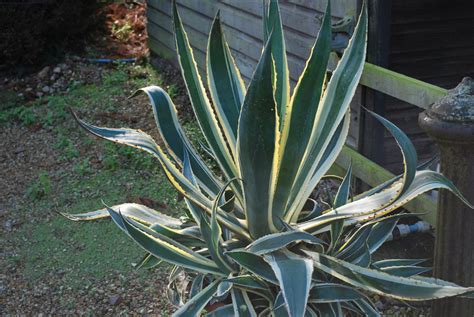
(47,243)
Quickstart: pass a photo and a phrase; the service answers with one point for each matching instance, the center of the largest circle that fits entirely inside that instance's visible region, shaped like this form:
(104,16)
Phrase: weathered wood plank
(204,7)
(402,87)
(191,19)
(339,8)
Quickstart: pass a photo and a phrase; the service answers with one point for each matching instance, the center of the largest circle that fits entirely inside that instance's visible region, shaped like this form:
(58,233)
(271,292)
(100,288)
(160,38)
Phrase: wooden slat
(402,87)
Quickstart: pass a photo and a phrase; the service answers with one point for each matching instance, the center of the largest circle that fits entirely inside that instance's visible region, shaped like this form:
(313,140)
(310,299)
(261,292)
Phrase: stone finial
(452,117)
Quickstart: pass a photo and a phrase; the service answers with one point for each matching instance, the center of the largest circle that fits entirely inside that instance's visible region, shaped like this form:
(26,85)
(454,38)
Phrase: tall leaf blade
(201,105)
(256,146)
(294,276)
(331,111)
(225,84)
(278,47)
(299,118)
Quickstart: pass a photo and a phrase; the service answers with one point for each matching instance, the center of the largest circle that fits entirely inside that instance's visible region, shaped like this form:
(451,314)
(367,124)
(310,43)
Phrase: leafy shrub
(251,241)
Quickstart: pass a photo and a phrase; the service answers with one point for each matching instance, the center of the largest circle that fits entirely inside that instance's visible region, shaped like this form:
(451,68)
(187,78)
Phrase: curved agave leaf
(201,105)
(223,311)
(196,285)
(410,158)
(148,262)
(403,288)
(405,271)
(196,304)
(397,262)
(165,248)
(140,213)
(254,264)
(225,84)
(176,140)
(183,236)
(277,241)
(256,146)
(274,30)
(331,292)
(279,307)
(331,111)
(369,207)
(143,141)
(294,276)
(213,236)
(298,121)
(242,305)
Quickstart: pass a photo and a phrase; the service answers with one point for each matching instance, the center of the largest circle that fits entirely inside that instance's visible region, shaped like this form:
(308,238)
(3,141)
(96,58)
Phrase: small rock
(53,78)
(57,70)
(20,95)
(8,225)
(44,72)
(46,89)
(115,300)
(39,94)
(29,89)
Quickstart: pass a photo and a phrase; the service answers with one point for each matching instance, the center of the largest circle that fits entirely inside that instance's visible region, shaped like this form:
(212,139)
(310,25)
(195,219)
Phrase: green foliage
(252,238)
(40,188)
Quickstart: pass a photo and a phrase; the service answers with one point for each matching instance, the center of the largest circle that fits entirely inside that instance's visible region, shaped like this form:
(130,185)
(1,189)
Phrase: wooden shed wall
(431,40)
(242,22)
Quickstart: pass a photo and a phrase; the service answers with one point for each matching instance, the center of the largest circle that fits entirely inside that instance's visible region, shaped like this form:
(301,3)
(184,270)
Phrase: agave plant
(251,240)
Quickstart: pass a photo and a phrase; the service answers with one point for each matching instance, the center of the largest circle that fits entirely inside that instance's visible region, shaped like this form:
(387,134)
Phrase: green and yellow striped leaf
(225,83)
(300,115)
(201,105)
(165,248)
(277,241)
(281,76)
(375,281)
(294,276)
(333,107)
(257,136)
(175,139)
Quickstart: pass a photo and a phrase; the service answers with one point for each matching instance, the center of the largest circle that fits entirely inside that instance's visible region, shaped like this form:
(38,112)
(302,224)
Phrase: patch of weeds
(173,91)
(40,188)
(117,77)
(68,148)
(119,156)
(83,167)
(24,115)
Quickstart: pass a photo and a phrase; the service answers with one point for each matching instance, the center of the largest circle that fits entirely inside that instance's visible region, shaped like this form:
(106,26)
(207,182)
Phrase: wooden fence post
(450,122)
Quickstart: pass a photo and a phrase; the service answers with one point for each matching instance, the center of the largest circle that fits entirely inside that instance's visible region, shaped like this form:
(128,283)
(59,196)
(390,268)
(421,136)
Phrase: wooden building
(431,40)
